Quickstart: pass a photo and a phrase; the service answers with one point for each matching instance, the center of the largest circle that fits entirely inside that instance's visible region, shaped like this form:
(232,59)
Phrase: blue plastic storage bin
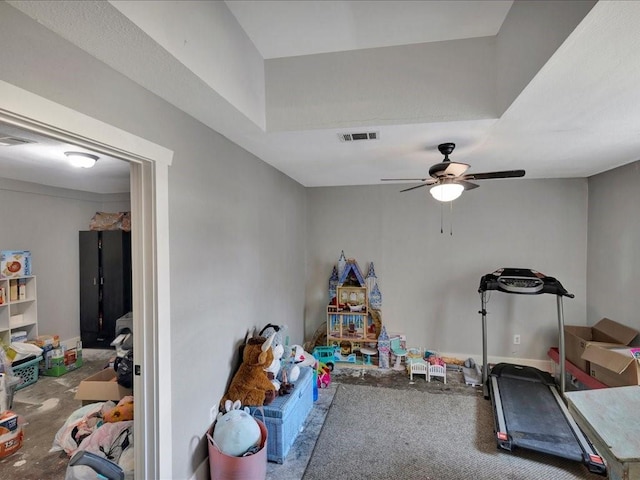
(285,416)
(28,372)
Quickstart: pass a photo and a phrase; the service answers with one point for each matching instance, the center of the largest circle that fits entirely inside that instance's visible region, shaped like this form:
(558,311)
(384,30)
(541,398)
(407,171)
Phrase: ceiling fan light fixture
(446,192)
(81,159)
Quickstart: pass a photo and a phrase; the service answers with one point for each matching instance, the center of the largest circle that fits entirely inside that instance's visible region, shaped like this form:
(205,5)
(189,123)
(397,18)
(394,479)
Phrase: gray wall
(429,280)
(236,225)
(46,221)
(613,265)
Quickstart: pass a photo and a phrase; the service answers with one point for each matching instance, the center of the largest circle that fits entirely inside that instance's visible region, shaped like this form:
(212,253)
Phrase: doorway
(149,164)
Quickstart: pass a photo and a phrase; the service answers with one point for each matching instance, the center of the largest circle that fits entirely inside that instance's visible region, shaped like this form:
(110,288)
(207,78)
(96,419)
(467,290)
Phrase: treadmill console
(520,284)
(522,281)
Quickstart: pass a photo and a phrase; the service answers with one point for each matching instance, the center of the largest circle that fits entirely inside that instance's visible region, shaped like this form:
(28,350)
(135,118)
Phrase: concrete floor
(46,405)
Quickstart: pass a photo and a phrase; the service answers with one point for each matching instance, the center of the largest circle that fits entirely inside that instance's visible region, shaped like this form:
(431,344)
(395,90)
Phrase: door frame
(149,163)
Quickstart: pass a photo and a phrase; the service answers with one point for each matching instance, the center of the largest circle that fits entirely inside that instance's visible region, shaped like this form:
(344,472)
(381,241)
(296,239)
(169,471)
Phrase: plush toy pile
(269,368)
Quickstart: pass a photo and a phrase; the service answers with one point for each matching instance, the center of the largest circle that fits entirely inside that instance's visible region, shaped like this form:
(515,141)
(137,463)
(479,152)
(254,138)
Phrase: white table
(610,418)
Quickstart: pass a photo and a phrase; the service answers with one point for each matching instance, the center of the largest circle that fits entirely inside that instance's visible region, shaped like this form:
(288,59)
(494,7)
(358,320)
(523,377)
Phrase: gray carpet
(384,433)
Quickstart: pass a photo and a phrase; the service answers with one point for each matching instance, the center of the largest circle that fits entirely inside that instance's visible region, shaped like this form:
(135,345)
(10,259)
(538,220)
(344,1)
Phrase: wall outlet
(516,339)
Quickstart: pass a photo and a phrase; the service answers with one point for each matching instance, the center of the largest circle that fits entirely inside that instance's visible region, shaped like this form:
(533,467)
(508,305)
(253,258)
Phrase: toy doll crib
(429,371)
(437,371)
(417,365)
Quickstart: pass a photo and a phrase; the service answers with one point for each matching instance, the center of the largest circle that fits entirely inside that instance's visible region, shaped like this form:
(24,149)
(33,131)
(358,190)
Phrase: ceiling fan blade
(403,179)
(467,185)
(448,169)
(417,186)
(492,175)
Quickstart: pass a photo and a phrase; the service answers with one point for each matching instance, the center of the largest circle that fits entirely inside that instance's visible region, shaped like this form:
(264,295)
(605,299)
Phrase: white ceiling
(576,117)
(42,160)
(290,28)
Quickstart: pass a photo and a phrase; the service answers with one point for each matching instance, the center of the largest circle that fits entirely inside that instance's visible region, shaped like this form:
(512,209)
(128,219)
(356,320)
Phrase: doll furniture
(437,371)
(418,367)
(367,352)
(399,352)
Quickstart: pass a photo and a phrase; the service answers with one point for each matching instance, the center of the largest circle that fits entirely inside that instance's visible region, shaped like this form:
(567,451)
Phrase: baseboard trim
(544,365)
(202,472)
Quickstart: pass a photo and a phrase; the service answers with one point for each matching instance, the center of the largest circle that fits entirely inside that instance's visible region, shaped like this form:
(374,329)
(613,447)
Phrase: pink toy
(324,375)
(435,360)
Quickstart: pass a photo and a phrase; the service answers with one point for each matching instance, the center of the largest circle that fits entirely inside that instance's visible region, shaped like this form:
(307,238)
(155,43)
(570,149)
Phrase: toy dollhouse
(353,314)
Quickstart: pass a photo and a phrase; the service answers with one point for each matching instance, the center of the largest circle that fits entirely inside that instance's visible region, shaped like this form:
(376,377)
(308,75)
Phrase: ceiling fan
(448,179)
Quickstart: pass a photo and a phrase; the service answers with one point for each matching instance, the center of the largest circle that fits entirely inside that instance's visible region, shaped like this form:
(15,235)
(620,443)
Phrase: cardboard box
(15,263)
(613,366)
(100,387)
(13,290)
(606,333)
(58,361)
(50,341)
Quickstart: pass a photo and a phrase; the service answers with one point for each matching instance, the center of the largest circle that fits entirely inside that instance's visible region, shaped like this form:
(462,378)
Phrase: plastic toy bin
(28,372)
(285,416)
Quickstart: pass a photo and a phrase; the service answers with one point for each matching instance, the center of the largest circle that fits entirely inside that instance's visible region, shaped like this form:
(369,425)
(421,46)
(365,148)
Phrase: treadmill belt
(534,419)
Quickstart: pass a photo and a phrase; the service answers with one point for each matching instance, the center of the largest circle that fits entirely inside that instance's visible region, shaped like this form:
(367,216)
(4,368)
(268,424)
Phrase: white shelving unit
(20,314)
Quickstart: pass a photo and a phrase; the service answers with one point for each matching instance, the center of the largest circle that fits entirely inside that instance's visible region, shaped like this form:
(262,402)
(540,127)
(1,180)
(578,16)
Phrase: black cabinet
(105,284)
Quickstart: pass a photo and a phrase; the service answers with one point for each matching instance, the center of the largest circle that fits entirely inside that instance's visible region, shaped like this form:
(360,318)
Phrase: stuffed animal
(121,412)
(250,384)
(299,358)
(273,370)
(269,329)
(236,432)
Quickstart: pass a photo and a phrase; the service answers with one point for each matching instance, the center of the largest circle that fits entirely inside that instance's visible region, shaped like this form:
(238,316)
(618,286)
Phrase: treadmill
(528,410)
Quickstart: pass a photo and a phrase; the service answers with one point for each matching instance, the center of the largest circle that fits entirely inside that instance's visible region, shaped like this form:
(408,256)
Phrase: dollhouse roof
(351,273)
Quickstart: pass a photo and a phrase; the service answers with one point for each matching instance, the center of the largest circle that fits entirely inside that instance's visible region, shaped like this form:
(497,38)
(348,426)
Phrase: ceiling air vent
(352,137)
(8,140)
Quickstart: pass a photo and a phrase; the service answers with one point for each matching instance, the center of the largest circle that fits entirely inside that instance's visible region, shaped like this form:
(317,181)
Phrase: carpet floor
(389,433)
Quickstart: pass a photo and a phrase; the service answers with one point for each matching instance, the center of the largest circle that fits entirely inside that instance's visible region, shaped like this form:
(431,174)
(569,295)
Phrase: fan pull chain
(441,217)
(451,219)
